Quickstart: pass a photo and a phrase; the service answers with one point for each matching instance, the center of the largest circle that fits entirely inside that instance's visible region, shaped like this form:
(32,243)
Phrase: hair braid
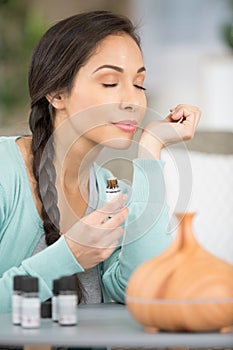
(41,125)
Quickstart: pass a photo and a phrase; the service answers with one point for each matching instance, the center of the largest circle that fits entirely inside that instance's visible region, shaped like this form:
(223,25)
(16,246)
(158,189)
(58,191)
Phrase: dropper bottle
(17,299)
(30,306)
(112,189)
(67,301)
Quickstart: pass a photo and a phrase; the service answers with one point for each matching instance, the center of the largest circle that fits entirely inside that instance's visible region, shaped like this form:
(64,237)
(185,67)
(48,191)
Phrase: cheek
(142,108)
(88,98)
(82,101)
(144,101)
(91,120)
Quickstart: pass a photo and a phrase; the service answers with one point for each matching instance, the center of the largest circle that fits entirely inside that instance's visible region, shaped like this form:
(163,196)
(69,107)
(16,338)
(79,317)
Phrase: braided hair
(60,53)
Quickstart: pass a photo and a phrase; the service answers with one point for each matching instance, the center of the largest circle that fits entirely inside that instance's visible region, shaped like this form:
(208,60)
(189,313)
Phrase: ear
(56,100)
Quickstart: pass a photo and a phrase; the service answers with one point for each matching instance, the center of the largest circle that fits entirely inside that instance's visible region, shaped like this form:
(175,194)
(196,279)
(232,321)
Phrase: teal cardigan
(21,228)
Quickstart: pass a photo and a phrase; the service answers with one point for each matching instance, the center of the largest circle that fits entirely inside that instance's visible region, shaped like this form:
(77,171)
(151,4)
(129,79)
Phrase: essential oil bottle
(67,301)
(112,189)
(16,300)
(30,306)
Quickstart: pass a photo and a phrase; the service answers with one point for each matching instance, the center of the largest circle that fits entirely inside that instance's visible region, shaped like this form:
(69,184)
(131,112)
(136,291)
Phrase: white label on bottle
(30,313)
(16,308)
(67,309)
(111,195)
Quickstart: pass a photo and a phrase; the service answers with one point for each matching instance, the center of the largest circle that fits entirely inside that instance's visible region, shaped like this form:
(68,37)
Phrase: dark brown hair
(60,53)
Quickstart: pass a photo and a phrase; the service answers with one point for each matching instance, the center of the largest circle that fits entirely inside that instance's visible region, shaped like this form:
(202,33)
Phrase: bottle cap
(17,281)
(112,182)
(46,309)
(29,284)
(68,283)
(56,286)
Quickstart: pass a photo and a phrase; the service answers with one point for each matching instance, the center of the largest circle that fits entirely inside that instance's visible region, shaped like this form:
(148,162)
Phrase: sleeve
(145,230)
(51,263)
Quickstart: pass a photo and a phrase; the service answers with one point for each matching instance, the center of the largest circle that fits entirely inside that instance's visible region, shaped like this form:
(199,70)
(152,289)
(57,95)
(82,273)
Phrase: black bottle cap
(46,309)
(68,283)
(17,281)
(56,286)
(29,284)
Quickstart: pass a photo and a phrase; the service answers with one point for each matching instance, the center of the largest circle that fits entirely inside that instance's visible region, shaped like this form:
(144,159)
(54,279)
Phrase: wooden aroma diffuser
(186,288)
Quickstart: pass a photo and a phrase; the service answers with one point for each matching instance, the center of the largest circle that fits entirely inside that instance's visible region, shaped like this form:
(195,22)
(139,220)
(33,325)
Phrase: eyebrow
(116,68)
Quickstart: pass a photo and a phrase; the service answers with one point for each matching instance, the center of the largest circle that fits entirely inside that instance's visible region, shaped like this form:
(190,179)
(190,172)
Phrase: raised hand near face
(179,125)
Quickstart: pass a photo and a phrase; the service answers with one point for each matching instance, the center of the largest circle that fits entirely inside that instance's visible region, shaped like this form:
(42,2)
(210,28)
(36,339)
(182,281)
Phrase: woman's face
(107,101)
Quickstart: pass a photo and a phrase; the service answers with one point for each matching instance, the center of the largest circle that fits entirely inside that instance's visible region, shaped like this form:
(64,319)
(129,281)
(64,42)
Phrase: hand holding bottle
(93,239)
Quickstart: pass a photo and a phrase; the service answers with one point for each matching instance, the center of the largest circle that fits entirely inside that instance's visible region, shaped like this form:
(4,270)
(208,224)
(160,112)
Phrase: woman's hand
(179,125)
(93,238)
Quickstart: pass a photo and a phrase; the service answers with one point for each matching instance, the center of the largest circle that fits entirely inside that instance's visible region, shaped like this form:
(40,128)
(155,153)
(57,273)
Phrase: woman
(89,66)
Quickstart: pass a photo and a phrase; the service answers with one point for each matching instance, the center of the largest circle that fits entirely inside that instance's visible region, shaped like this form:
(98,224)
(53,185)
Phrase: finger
(172,118)
(107,252)
(108,238)
(180,113)
(193,118)
(185,109)
(192,121)
(113,245)
(186,112)
(184,127)
(117,219)
(190,125)
(113,237)
(177,115)
(110,207)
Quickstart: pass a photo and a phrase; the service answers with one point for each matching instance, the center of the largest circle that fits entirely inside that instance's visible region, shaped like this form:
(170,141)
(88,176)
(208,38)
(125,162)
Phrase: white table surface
(105,325)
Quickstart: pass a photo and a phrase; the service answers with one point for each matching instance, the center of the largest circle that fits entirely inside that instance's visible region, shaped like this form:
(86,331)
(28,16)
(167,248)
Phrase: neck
(73,158)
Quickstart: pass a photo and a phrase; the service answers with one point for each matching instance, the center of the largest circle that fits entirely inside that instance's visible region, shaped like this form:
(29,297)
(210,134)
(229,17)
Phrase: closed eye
(109,85)
(115,84)
(139,87)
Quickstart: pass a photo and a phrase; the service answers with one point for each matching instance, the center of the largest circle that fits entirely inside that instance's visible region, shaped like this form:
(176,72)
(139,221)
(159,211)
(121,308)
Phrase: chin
(118,143)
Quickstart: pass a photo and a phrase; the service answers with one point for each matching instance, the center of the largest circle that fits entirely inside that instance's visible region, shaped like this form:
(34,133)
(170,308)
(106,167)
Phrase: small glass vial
(67,301)
(55,304)
(112,189)
(16,300)
(30,306)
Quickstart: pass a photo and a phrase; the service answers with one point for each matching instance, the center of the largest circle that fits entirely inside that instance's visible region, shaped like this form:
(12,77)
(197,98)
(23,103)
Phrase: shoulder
(7,147)
(9,160)
(5,141)
(7,175)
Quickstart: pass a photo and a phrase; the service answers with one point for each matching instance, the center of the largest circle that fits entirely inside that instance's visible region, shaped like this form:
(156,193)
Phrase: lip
(126,125)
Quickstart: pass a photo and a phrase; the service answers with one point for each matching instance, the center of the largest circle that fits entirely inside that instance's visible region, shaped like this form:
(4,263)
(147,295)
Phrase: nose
(127,106)
(130,99)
